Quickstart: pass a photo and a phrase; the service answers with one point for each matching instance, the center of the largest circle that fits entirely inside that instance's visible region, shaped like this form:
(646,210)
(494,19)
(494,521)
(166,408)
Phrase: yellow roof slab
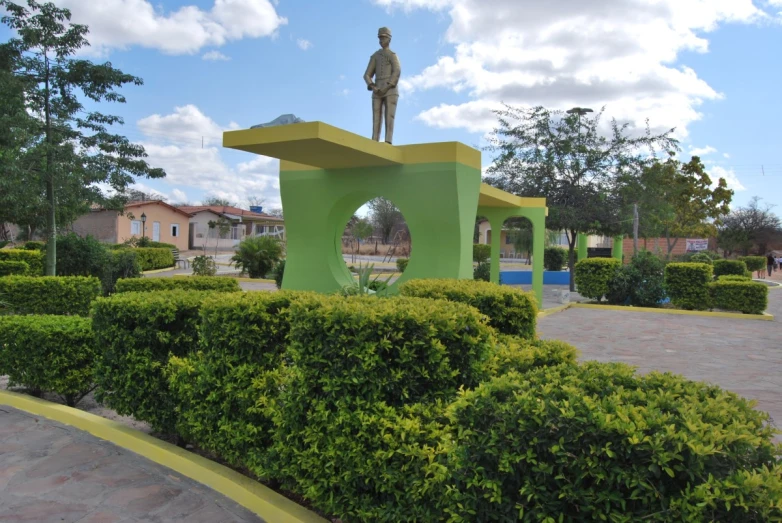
(314,144)
(493,197)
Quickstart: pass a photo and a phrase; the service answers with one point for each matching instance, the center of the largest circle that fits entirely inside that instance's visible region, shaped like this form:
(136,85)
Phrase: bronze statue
(384,66)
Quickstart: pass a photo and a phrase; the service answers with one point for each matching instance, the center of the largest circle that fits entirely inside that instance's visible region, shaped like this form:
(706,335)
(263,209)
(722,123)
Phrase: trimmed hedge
(151,258)
(510,310)
(595,442)
(34,246)
(593,276)
(34,259)
(725,267)
(119,265)
(481,252)
(748,297)
(513,354)
(733,277)
(48,354)
(194,283)
(554,258)
(137,333)
(8,268)
(754,263)
(50,294)
(687,284)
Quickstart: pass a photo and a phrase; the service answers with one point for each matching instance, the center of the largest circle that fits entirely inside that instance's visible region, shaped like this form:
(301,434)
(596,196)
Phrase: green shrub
(193,283)
(596,442)
(137,333)
(481,252)
(482,272)
(725,267)
(641,283)
(34,259)
(77,256)
(204,266)
(733,277)
(151,258)
(257,255)
(510,311)
(378,285)
(119,264)
(513,354)
(34,246)
(142,242)
(754,263)
(593,274)
(48,354)
(8,268)
(401,264)
(279,272)
(687,284)
(701,257)
(748,297)
(554,258)
(50,294)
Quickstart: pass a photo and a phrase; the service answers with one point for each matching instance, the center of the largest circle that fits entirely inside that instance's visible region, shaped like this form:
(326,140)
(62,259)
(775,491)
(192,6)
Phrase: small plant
(481,252)
(482,271)
(363,285)
(554,258)
(401,264)
(257,256)
(204,266)
(279,272)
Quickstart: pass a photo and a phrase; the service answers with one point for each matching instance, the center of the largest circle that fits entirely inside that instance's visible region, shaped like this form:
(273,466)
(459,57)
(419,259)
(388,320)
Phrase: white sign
(697,245)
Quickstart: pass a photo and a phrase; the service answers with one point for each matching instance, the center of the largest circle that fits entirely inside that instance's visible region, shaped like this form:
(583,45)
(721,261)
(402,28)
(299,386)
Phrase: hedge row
(48,354)
(35,260)
(199,283)
(593,276)
(730,267)
(50,294)
(687,284)
(8,268)
(754,263)
(510,311)
(744,296)
(151,258)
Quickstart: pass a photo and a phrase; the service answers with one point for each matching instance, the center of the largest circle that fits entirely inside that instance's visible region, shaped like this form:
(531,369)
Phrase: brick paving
(50,473)
(744,356)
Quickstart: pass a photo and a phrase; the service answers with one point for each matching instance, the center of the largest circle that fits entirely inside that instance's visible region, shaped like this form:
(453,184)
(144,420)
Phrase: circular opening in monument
(376,240)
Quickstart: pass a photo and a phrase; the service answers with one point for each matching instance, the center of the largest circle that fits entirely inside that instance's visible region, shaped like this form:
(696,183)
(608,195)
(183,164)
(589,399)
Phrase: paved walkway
(50,473)
(744,356)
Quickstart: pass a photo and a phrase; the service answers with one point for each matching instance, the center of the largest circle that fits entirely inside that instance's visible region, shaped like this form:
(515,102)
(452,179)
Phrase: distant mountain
(285,119)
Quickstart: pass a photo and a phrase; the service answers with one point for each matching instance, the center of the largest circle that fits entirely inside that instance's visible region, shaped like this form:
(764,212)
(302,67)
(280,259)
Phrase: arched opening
(516,242)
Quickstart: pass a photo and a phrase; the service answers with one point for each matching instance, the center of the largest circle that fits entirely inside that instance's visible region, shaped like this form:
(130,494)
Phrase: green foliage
(510,310)
(137,333)
(748,297)
(596,442)
(734,267)
(401,264)
(145,241)
(687,284)
(363,285)
(257,256)
(701,257)
(33,259)
(48,354)
(641,283)
(204,266)
(279,272)
(151,258)
(554,258)
(481,252)
(119,264)
(482,272)
(513,354)
(64,295)
(8,268)
(593,275)
(34,246)
(192,283)
(734,277)
(77,256)
(378,285)
(754,263)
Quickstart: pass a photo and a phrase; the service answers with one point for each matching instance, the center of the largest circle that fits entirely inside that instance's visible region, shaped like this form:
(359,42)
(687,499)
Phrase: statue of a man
(384,66)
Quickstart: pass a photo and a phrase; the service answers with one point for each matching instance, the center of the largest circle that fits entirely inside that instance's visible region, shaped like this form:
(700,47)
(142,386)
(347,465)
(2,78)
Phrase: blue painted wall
(525,277)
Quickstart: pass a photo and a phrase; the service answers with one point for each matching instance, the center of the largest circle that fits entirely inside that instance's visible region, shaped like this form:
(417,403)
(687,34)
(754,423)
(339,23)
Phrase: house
(154,219)
(239,224)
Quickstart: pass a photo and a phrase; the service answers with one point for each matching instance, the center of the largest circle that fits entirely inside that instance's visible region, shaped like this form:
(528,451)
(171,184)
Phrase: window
(236,232)
(135,227)
(259,229)
(174,230)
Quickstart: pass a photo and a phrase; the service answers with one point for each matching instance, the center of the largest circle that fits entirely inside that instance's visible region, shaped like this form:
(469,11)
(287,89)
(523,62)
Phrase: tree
(274,211)
(566,159)
(255,201)
(217,201)
(385,216)
(747,227)
(71,149)
(361,230)
(258,255)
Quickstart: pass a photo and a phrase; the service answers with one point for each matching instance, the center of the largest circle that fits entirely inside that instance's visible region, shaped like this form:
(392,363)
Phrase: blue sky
(710,68)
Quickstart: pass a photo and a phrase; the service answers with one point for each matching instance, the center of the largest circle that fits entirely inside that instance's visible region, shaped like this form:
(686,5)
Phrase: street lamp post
(143,225)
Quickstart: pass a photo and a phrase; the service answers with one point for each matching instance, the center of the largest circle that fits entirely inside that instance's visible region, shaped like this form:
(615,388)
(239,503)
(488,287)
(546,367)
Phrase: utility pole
(635,229)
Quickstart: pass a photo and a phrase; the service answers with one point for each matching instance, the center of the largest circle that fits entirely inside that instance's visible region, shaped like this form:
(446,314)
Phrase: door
(155,231)
(191,236)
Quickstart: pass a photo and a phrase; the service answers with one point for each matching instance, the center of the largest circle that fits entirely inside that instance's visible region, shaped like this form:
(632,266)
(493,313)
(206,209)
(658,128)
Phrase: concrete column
(538,246)
(617,250)
(496,236)
(581,246)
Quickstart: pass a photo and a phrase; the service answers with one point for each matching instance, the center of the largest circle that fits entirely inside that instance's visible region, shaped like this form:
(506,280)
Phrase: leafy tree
(385,216)
(258,255)
(748,227)
(70,148)
(361,230)
(568,160)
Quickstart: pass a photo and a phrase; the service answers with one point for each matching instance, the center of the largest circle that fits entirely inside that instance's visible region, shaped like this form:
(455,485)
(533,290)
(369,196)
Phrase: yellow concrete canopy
(493,197)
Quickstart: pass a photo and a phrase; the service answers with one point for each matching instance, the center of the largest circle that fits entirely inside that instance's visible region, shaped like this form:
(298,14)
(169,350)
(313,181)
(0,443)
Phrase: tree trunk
(571,262)
(51,223)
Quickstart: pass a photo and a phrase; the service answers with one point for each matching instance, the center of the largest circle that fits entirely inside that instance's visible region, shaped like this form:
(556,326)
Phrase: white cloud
(215,56)
(716,172)
(303,44)
(172,142)
(702,151)
(592,53)
(726,155)
(120,24)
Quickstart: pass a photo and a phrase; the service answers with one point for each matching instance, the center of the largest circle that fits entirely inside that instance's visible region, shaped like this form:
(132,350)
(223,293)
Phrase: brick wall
(656,245)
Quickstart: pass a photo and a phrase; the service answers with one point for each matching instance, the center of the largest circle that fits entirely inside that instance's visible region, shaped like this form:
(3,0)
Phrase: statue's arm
(370,72)
(396,70)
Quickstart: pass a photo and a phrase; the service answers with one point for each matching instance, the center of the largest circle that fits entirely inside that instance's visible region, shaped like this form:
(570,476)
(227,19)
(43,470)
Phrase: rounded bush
(641,283)
(701,257)
(593,275)
(481,252)
(554,258)
(725,267)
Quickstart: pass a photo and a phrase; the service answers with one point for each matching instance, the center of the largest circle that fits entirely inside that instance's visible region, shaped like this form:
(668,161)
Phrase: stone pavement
(744,356)
(50,473)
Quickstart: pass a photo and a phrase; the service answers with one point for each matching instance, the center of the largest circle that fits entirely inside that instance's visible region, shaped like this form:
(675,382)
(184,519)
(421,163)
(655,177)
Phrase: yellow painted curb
(553,310)
(250,494)
(155,271)
(733,315)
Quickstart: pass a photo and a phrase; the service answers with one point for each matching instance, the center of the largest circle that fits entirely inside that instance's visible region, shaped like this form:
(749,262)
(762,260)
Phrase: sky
(711,69)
